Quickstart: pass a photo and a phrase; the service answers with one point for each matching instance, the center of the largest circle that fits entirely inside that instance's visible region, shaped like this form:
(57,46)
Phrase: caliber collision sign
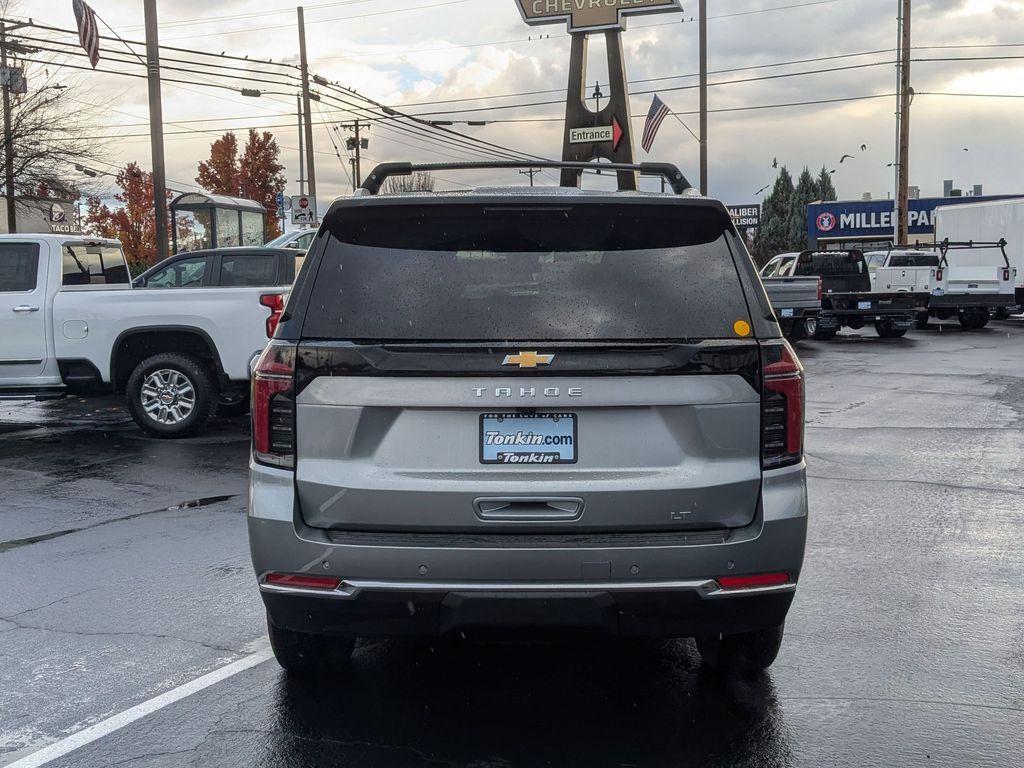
(590,15)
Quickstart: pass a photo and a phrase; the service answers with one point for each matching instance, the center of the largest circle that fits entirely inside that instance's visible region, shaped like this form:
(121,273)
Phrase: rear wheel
(234,403)
(171,395)
(747,652)
(921,321)
(824,334)
(885,329)
(301,652)
(810,327)
(974,321)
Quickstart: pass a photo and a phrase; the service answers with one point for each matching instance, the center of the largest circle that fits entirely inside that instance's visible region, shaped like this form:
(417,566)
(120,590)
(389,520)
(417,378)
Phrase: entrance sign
(612,134)
(590,135)
(590,15)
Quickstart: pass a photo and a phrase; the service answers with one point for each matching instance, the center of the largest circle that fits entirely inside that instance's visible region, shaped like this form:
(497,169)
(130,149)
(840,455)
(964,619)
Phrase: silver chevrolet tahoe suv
(527,409)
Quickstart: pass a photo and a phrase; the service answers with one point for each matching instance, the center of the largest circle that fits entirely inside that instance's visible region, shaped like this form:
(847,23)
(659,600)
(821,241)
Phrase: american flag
(88,32)
(658,112)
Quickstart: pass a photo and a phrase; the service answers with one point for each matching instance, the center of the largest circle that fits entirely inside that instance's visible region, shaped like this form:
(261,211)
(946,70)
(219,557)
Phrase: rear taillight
(273,405)
(302,581)
(782,406)
(276,303)
(753,581)
(1006,273)
(819,289)
(938,274)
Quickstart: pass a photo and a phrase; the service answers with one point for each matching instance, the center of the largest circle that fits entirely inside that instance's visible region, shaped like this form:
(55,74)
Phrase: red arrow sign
(617,134)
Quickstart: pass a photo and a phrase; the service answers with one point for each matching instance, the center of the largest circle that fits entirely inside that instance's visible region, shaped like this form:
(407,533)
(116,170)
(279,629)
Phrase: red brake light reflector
(275,301)
(273,405)
(753,580)
(302,581)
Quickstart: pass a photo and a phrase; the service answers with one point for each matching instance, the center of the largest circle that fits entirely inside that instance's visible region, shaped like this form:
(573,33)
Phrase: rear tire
(233,404)
(825,334)
(171,395)
(885,330)
(747,652)
(921,321)
(303,653)
(973,321)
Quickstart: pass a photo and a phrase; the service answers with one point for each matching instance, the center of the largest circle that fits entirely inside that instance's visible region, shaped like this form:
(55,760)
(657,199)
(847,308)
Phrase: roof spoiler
(375,180)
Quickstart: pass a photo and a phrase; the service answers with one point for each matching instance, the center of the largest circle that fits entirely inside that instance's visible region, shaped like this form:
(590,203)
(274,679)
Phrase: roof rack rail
(375,180)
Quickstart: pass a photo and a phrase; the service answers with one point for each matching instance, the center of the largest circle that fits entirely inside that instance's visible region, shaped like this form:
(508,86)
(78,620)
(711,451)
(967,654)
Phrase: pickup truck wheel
(973,321)
(825,334)
(810,327)
(302,653)
(746,652)
(171,395)
(921,321)
(886,331)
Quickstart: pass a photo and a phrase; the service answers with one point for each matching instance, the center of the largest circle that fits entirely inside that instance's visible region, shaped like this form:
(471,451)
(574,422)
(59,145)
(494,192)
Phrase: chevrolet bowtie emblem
(527,359)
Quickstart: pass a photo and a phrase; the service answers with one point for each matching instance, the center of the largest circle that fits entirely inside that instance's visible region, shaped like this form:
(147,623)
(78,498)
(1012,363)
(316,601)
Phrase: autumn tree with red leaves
(256,175)
(133,222)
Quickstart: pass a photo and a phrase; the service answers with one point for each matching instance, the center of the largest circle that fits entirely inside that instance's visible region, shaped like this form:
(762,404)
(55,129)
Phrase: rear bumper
(958,301)
(430,587)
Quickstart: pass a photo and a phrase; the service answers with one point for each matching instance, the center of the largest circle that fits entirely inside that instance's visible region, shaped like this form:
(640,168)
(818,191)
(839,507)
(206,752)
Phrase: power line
(321,21)
(209,19)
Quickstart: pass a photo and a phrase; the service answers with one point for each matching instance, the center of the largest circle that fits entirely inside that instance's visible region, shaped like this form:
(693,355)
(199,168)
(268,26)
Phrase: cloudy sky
(415,53)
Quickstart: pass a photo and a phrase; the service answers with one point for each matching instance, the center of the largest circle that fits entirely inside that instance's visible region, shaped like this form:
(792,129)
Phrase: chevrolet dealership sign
(590,15)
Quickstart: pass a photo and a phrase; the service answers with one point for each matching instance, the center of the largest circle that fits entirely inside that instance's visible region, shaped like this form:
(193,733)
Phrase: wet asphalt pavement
(125,574)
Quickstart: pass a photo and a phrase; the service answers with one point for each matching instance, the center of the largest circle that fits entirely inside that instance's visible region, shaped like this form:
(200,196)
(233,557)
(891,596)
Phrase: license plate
(787,312)
(528,438)
(863,305)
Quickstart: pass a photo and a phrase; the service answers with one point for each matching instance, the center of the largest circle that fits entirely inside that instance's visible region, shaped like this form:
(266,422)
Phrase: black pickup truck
(848,301)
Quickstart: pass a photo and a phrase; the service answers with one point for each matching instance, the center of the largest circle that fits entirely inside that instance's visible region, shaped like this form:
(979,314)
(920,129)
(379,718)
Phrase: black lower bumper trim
(389,613)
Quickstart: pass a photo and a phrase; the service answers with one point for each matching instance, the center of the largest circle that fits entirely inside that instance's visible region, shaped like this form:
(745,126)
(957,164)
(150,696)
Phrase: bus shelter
(215,221)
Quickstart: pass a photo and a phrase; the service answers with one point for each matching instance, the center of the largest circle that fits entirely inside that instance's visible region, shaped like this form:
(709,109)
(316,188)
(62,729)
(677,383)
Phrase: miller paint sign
(590,15)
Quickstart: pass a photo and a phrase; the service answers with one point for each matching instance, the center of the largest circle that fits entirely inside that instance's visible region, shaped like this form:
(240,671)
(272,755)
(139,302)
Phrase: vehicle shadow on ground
(590,702)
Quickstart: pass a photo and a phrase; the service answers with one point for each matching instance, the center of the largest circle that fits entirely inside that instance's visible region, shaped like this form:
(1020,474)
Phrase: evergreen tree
(796,229)
(824,183)
(772,235)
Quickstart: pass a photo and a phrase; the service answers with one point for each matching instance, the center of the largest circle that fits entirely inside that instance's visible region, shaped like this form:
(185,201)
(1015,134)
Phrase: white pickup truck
(70,322)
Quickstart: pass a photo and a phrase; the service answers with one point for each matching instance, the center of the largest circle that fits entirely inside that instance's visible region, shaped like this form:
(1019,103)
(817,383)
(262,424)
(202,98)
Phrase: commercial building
(41,215)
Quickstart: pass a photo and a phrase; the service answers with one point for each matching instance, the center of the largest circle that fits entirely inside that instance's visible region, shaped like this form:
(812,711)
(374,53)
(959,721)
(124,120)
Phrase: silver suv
(527,408)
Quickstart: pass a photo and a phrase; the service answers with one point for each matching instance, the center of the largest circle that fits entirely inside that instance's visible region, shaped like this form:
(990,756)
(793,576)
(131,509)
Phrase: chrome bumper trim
(707,589)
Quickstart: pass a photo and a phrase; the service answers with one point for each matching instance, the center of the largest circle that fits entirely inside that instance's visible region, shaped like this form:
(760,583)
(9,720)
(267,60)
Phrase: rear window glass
(93,265)
(914,260)
(529,272)
(248,270)
(831,264)
(19,265)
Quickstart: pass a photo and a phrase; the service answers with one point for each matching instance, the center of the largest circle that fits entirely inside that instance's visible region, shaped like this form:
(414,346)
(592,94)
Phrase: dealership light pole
(903,163)
(12,223)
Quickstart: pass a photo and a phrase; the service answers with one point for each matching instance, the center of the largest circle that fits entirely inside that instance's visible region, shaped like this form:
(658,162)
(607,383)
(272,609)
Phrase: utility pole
(358,172)
(531,173)
(156,130)
(310,170)
(358,144)
(903,170)
(302,140)
(703,24)
(12,219)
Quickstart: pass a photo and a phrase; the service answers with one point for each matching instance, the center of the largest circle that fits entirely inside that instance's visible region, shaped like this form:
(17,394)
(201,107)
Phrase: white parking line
(105,727)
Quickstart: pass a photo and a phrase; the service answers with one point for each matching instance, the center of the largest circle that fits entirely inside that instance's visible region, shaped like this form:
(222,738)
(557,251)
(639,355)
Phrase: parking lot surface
(126,576)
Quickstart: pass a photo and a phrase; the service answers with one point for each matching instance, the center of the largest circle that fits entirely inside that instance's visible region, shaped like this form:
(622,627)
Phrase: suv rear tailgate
(652,453)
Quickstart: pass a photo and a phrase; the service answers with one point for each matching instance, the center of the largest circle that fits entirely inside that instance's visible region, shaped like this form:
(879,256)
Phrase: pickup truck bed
(795,301)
